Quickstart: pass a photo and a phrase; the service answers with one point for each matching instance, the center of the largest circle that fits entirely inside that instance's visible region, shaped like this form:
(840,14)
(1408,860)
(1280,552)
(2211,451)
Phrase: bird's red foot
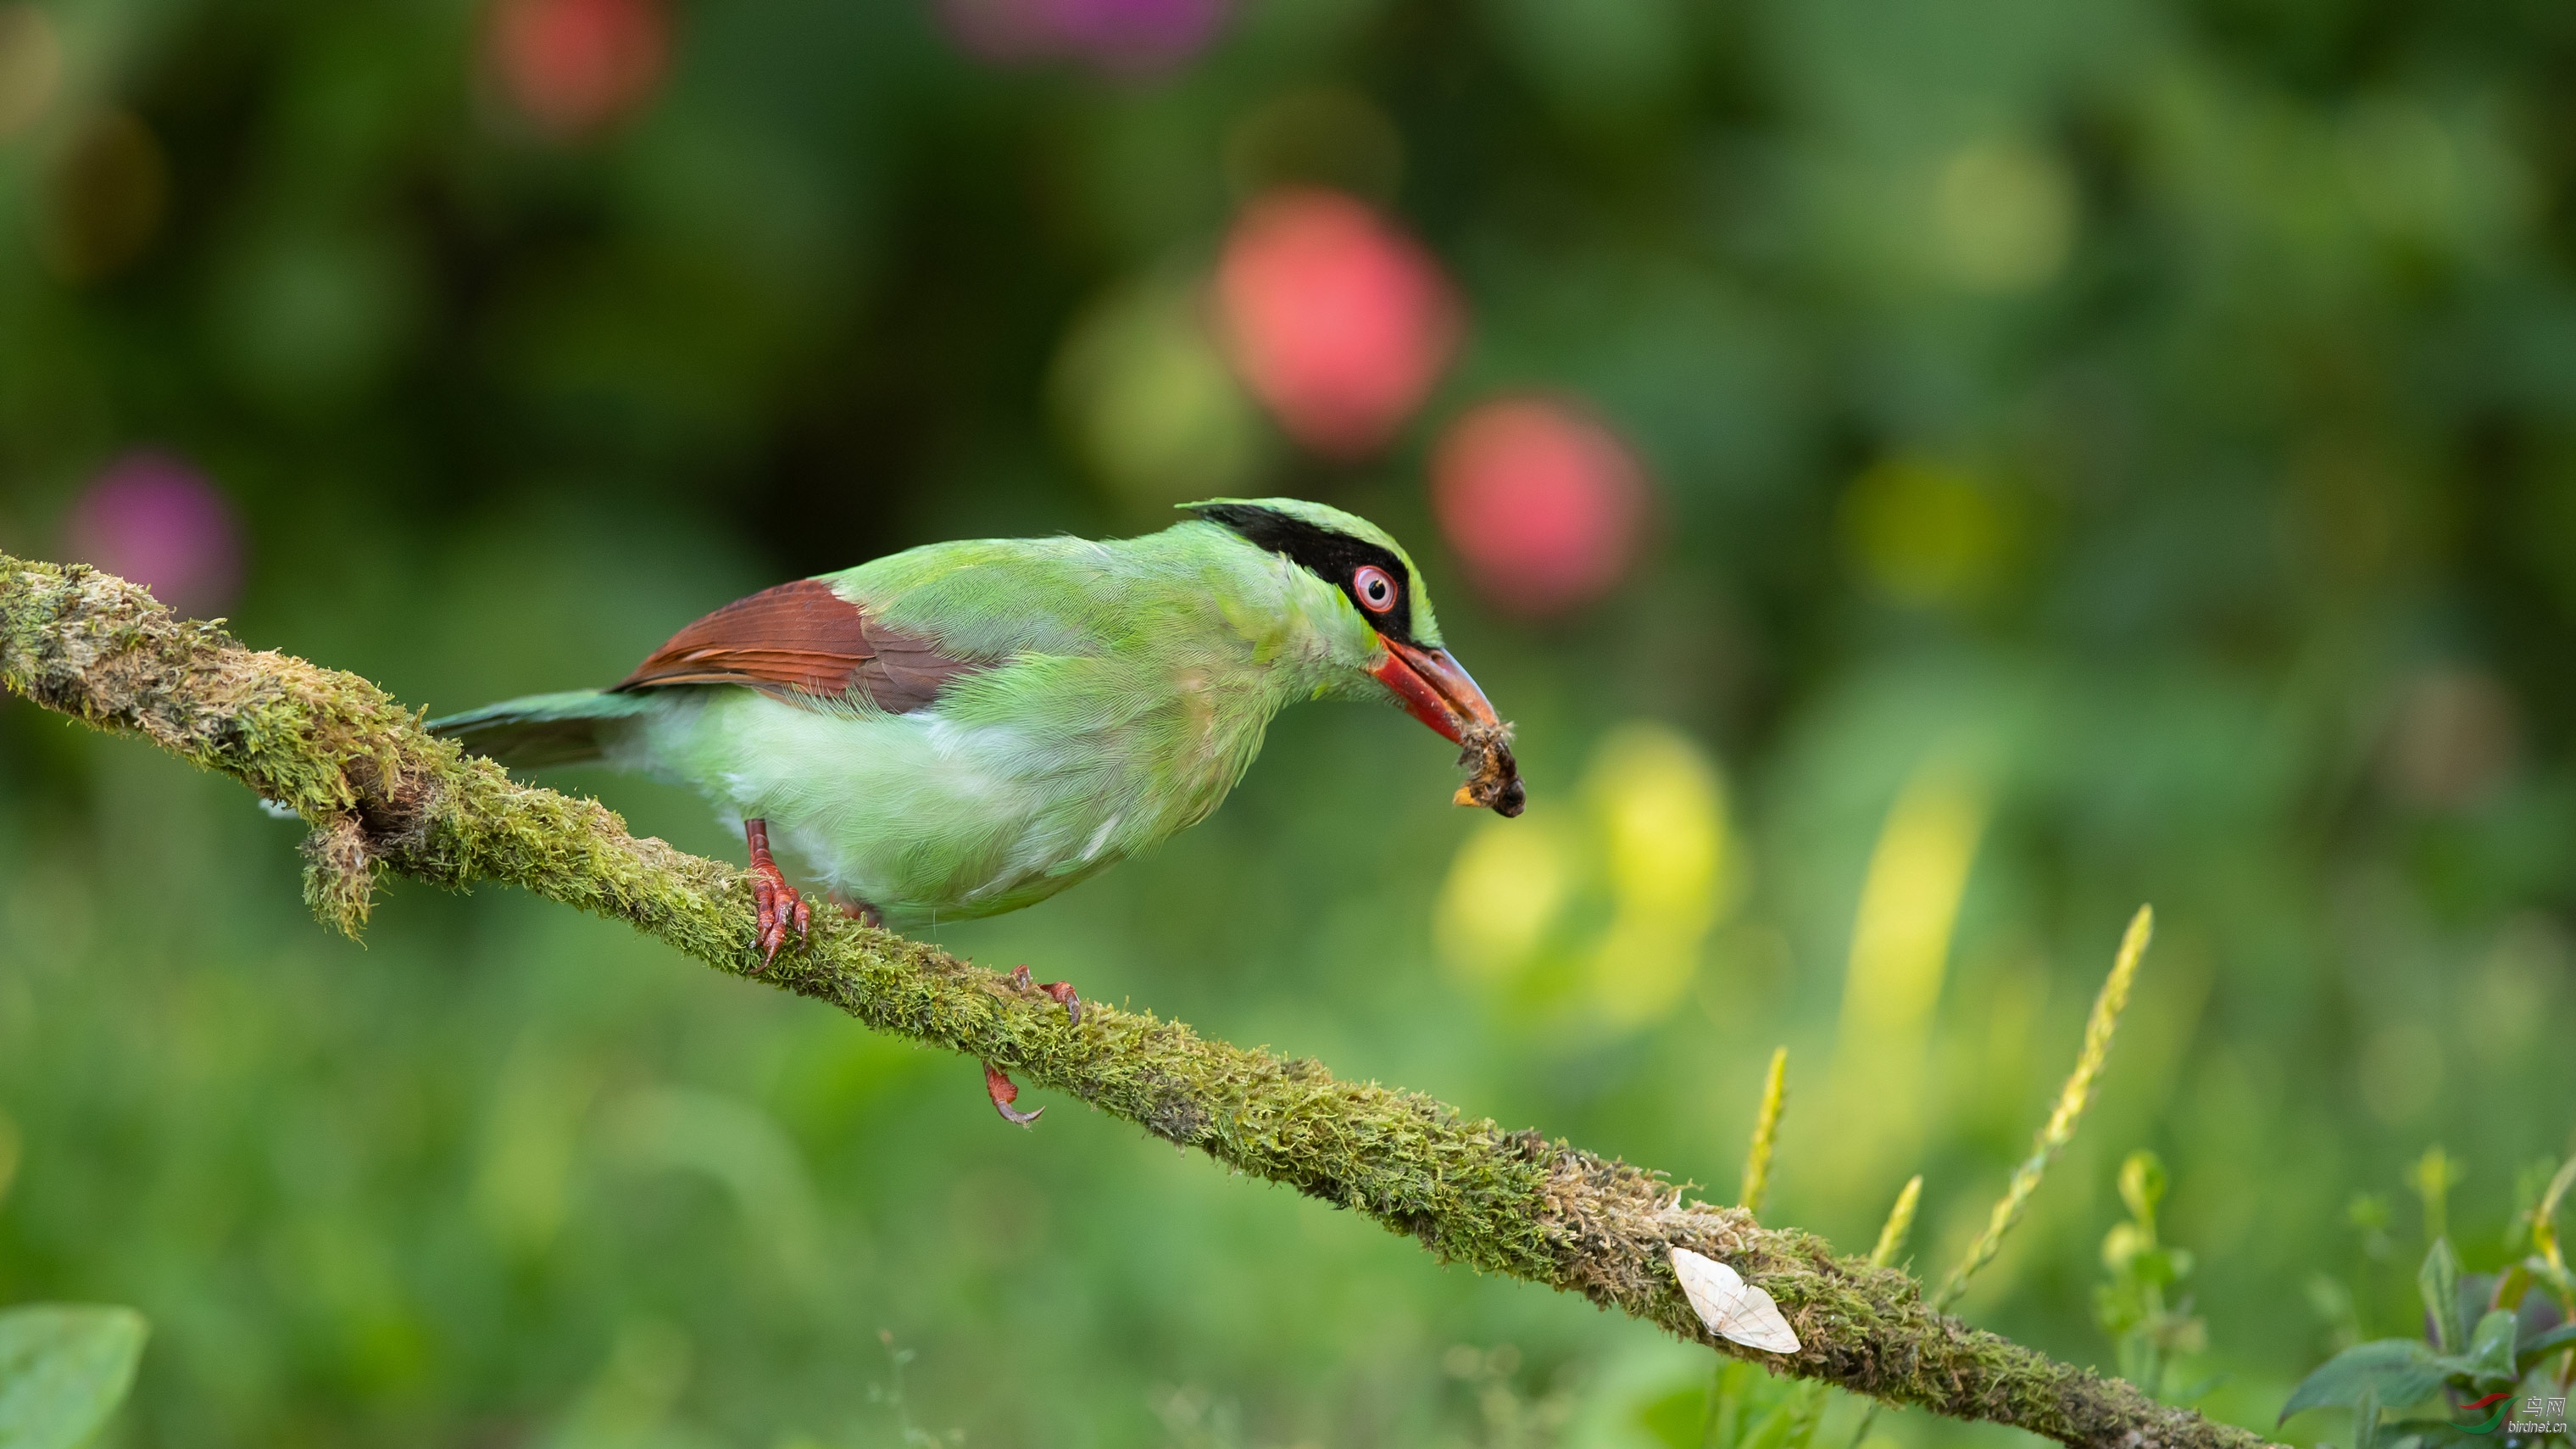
(1062,991)
(780,906)
(777,901)
(857,910)
(1004,1092)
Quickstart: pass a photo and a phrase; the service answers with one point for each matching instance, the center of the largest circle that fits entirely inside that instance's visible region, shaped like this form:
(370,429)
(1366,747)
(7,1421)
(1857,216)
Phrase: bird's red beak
(1434,689)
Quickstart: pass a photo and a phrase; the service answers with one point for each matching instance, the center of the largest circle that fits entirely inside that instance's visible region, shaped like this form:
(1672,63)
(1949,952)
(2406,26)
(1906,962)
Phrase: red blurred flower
(1339,322)
(573,66)
(152,518)
(1541,501)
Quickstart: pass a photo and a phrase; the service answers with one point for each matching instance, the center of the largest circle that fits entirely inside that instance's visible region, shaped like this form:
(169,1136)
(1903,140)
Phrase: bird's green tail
(541,729)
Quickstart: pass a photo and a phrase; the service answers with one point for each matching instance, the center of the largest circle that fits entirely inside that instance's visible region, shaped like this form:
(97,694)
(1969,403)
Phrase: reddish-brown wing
(802,639)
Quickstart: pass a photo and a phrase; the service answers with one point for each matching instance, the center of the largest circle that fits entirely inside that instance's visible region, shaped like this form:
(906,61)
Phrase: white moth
(1731,1307)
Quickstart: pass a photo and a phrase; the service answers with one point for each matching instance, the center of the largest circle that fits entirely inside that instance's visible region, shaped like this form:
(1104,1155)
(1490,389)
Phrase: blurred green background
(1924,478)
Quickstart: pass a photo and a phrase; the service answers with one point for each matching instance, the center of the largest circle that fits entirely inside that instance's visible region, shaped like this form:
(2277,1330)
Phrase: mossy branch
(381,794)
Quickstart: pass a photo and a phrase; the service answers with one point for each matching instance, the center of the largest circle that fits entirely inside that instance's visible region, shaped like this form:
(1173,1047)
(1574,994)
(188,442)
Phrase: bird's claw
(1062,991)
(998,1086)
(1004,1092)
(780,907)
(777,902)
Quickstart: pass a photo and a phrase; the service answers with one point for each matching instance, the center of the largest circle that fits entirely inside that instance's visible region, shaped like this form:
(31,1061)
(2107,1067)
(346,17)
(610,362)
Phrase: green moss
(381,794)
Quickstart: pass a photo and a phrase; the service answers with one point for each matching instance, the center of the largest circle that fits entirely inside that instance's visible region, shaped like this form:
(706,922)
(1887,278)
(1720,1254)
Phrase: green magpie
(967,728)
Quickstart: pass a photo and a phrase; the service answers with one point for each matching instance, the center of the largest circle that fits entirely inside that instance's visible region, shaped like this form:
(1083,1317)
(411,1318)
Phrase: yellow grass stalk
(1900,1224)
(2071,1102)
(1766,1133)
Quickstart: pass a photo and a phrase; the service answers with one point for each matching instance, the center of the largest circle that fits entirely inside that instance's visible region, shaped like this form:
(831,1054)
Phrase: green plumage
(1121,689)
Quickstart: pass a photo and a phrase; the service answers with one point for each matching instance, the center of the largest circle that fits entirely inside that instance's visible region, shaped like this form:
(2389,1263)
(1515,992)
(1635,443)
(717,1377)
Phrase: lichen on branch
(382,794)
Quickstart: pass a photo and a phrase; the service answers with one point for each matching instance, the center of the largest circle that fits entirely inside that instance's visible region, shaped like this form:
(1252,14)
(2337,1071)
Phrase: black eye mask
(1330,556)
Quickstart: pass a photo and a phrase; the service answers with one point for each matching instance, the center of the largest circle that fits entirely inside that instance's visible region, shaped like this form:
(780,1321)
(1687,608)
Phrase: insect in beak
(1435,690)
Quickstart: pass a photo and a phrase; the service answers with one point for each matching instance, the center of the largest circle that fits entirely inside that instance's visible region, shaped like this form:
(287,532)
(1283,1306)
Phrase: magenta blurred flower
(1542,503)
(152,518)
(1130,36)
(574,66)
(1338,322)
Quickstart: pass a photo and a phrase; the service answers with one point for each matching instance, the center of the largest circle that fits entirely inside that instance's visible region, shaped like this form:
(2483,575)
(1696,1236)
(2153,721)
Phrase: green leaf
(64,1367)
(2439,1281)
(2396,1371)
(2561,1337)
(2365,1419)
(2490,1355)
(2515,1282)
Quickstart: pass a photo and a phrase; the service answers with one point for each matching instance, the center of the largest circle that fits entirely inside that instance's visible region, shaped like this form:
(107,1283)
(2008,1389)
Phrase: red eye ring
(1374,590)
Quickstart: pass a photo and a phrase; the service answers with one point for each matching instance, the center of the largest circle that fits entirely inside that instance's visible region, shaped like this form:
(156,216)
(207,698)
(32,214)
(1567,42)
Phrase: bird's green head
(1397,640)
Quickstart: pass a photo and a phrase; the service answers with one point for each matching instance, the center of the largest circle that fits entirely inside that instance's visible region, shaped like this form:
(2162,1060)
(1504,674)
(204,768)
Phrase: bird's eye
(1376,591)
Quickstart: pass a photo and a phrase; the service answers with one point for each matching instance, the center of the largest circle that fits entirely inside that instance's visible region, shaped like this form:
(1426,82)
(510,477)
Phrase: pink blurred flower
(1116,35)
(1339,322)
(574,66)
(1542,503)
(152,518)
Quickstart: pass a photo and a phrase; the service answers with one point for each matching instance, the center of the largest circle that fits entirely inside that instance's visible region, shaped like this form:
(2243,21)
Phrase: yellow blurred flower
(1620,899)
(1900,954)
(1660,807)
(1504,890)
(1918,875)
